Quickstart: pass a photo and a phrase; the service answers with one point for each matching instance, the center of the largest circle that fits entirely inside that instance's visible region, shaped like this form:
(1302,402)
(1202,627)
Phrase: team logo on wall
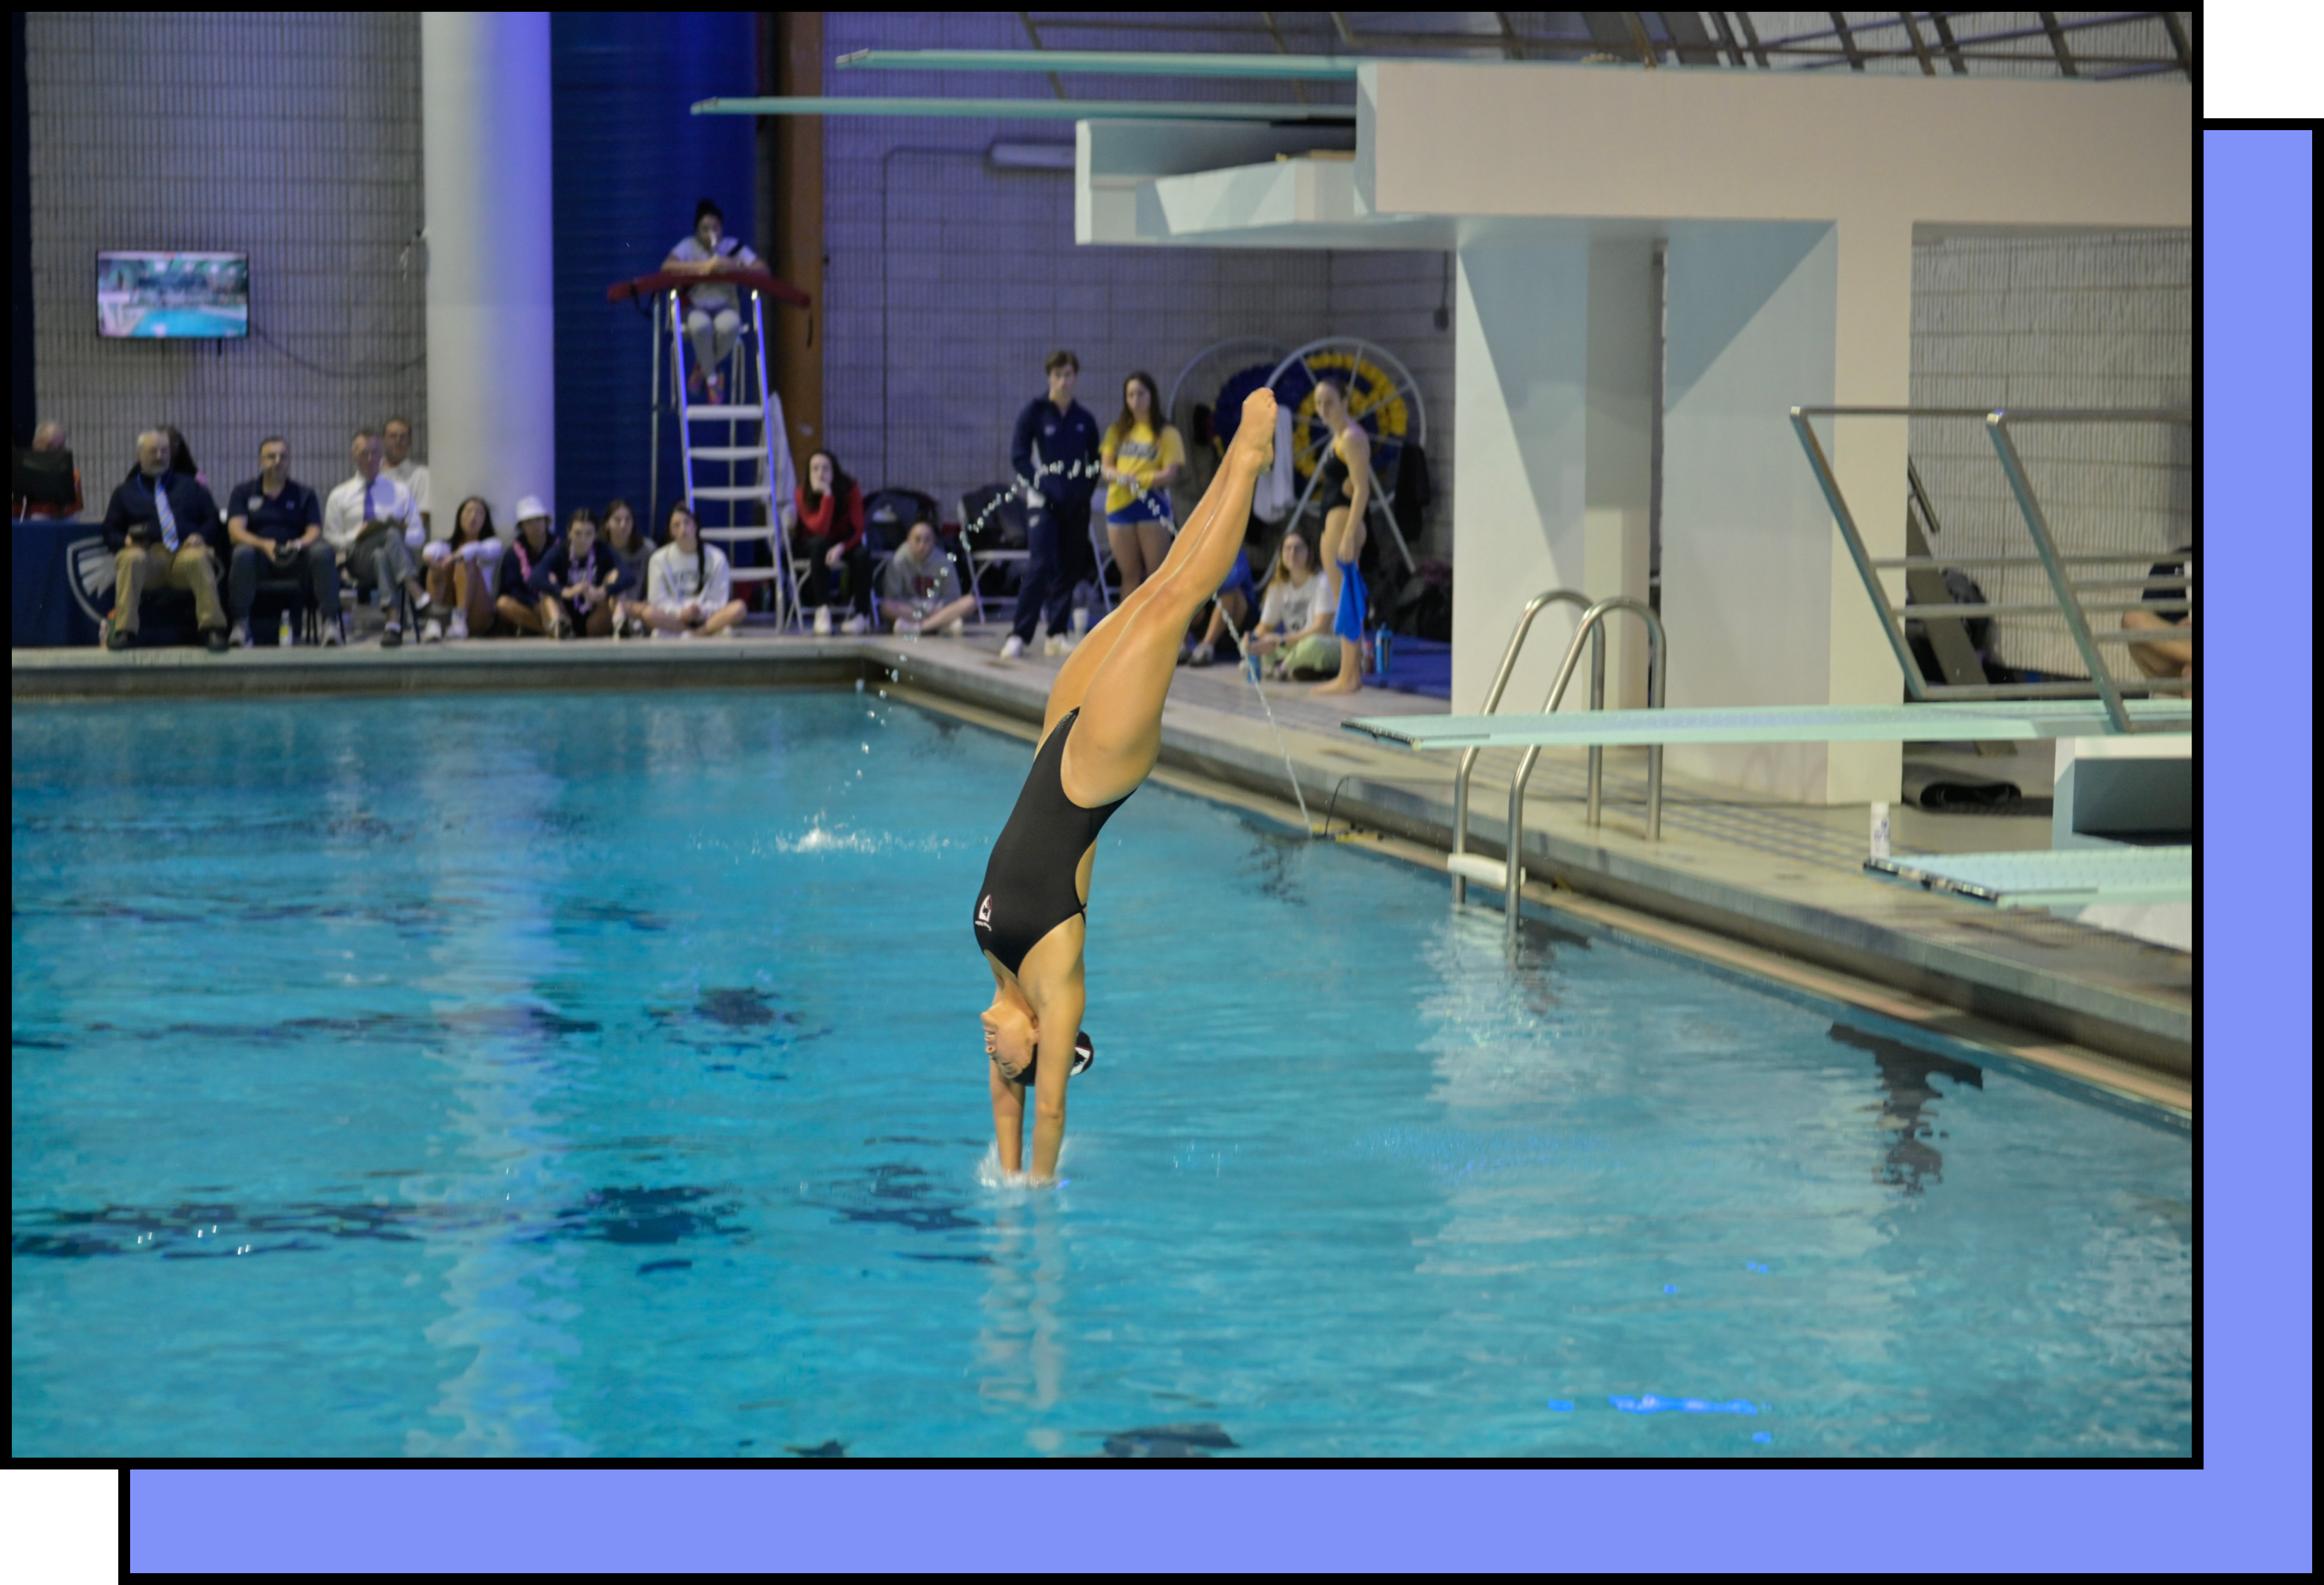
(92,575)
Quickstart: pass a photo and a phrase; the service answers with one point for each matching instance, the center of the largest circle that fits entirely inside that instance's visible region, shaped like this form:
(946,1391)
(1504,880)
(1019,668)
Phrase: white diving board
(1777,723)
(2052,878)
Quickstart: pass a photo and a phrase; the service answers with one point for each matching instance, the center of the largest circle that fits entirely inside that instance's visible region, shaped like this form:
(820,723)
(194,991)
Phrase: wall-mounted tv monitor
(173,294)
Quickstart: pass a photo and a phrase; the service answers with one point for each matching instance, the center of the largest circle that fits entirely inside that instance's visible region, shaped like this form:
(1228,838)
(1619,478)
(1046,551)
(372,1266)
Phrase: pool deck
(1758,884)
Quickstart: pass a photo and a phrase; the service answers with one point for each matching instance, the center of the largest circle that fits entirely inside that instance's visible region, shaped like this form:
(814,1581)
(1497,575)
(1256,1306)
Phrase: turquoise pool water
(600,1076)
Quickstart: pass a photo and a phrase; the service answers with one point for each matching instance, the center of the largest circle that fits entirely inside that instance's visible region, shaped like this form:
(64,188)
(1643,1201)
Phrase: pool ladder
(1509,875)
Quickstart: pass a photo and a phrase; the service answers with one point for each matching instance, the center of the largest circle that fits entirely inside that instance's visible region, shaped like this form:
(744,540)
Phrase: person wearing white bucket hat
(516,606)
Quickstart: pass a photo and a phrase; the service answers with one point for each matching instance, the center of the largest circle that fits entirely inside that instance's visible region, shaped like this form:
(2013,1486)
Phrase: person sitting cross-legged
(579,581)
(517,608)
(154,526)
(688,589)
(1295,621)
(919,589)
(276,524)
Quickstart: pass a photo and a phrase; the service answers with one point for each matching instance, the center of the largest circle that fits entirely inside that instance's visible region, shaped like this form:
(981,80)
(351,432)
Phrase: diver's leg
(1120,733)
(1068,693)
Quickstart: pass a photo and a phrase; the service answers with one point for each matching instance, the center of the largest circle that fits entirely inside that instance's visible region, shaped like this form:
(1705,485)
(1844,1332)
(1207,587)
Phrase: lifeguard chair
(735,455)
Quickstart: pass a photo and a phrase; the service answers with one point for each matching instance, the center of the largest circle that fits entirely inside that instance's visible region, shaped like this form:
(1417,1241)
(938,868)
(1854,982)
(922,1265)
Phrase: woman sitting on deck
(1099,736)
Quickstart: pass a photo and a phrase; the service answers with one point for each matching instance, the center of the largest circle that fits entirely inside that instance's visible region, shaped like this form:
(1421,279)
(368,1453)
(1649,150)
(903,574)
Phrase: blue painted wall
(630,163)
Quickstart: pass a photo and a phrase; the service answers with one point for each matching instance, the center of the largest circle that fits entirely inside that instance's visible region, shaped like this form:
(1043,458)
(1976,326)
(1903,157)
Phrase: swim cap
(1085,1053)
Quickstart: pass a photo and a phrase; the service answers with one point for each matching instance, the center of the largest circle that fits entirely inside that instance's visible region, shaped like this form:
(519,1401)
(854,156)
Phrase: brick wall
(2084,321)
(949,281)
(294,137)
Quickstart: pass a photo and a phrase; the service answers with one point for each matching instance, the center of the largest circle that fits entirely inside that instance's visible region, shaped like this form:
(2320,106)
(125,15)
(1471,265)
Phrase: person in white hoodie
(688,592)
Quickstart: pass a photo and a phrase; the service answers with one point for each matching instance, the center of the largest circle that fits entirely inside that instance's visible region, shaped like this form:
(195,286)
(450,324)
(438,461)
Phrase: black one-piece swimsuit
(1029,882)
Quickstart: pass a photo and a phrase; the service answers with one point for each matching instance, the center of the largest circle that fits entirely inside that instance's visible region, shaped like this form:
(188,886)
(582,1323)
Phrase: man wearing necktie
(155,526)
(371,522)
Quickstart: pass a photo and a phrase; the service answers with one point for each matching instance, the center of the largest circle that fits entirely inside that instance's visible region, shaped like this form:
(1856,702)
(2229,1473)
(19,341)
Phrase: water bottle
(1879,831)
(282,633)
(1380,650)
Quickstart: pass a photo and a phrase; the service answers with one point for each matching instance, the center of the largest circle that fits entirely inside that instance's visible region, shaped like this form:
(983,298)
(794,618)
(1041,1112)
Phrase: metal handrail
(2047,556)
(1657,665)
(786,576)
(1492,700)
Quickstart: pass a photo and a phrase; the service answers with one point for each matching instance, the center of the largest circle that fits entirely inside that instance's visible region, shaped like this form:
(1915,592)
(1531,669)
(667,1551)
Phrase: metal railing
(2054,563)
(1492,700)
(1657,665)
(1593,628)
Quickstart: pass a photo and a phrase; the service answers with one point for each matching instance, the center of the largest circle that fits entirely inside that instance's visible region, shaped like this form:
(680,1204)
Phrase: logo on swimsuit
(984,913)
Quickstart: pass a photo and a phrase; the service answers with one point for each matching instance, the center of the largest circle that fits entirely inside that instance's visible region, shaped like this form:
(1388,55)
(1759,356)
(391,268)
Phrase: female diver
(1346,485)
(1099,738)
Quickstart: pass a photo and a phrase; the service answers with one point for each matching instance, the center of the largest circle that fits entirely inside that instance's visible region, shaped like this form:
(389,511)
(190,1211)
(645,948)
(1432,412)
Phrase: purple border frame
(2248,1509)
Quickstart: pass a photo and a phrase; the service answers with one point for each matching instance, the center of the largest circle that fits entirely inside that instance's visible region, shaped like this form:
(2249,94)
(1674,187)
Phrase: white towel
(1276,493)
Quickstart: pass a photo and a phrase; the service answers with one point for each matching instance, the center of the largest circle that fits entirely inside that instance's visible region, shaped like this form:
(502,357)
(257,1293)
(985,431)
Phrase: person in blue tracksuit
(1055,453)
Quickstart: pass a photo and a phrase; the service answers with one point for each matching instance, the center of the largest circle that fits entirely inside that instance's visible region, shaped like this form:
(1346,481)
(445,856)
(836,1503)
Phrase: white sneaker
(334,630)
(955,627)
(822,619)
(431,632)
(241,635)
(459,628)
(907,627)
(1013,649)
(856,624)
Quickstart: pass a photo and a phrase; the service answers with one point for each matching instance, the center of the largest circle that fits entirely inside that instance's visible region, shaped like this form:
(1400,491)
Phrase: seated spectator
(1294,623)
(1237,604)
(635,549)
(688,592)
(919,589)
(48,438)
(516,605)
(404,470)
(2170,658)
(711,316)
(463,573)
(622,532)
(155,527)
(828,541)
(276,525)
(371,526)
(579,581)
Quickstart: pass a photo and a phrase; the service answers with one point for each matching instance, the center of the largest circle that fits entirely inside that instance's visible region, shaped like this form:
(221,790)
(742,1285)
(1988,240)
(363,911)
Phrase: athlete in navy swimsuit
(1100,737)
(1346,487)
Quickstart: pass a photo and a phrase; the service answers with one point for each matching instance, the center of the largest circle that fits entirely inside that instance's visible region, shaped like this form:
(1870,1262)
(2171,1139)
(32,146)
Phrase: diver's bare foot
(1338,685)
(1255,436)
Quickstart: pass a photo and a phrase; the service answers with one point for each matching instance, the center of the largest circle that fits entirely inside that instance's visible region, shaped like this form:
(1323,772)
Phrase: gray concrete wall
(2103,320)
(292,136)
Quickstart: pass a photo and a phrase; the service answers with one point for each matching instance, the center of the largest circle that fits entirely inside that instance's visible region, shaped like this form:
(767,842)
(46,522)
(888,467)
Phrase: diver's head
(1011,1032)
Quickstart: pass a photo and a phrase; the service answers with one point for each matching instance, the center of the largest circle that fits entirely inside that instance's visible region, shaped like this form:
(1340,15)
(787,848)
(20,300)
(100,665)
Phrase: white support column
(1762,603)
(1747,585)
(492,394)
(1552,378)
(1618,482)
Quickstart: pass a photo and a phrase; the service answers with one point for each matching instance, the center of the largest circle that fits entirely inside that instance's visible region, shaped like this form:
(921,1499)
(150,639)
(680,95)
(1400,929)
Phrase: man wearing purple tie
(156,525)
(372,525)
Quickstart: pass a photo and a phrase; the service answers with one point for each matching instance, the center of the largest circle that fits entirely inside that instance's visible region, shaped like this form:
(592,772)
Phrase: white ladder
(747,477)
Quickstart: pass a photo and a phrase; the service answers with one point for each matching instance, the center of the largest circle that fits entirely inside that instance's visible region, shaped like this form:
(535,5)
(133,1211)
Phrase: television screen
(173,294)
